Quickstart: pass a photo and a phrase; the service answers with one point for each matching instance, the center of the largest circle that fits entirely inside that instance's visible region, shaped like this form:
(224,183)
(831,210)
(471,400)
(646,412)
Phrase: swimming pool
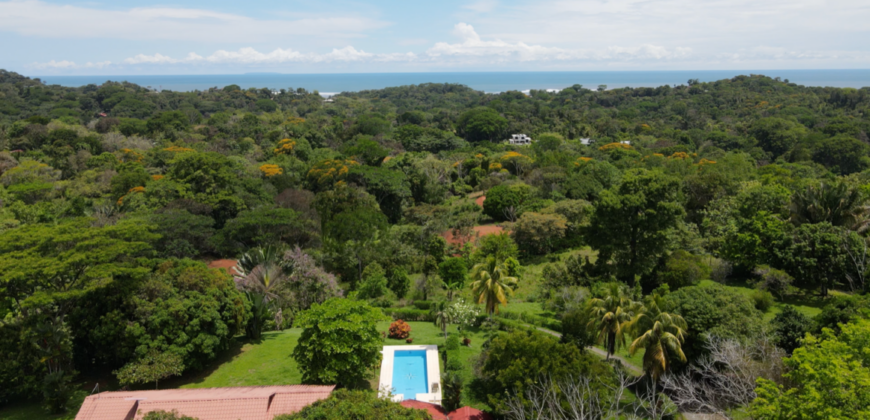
(409,373)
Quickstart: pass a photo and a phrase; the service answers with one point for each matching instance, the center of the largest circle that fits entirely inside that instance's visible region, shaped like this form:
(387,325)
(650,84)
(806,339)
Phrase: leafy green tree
(829,378)
(843,154)
(266,226)
(340,342)
(182,234)
(503,202)
(346,404)
(451,383)
(590,178)
(632,223)
(538,233)
(205,173)
(56,264)
(814,256)
(482,123)
(611,317)
(151,368)
(790,327)
(454,274)
(390,188)
(491,284)
(366,150)
(681,269)
(398,281)
(517,360)
(499,246)
(714,310)
(374,282)
(575,328)
(777,135)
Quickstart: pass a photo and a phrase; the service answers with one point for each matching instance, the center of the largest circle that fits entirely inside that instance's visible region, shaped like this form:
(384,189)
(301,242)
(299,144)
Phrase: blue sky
(43,37)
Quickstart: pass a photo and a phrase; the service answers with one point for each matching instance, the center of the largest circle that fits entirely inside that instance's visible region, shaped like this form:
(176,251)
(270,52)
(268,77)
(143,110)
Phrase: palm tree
(612,317)
(492,284)
(262,273)
(442,317)
(263,270)
(837,204)
(661,342)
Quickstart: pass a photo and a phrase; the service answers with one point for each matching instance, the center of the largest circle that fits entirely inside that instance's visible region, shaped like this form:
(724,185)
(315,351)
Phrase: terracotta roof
(468,413)
(225,264)
(241,403)
(436,411)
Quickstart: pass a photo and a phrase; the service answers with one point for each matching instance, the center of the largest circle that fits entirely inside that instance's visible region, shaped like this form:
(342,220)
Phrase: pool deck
(433,372)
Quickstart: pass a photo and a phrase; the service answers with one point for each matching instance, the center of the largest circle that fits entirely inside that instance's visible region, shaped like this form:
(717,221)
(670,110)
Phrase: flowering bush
(157,177)
(463,313)
(679,155)
(400,329)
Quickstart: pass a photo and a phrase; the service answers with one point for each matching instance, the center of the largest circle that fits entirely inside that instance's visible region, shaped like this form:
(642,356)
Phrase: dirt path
(598,352)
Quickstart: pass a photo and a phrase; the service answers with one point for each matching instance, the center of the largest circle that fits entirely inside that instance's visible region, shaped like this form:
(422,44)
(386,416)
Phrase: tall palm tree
(836,203)
(612,317)
(662,342)
(442,317)
(492,284)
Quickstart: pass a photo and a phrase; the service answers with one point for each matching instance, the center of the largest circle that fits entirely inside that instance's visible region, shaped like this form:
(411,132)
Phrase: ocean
(328,84)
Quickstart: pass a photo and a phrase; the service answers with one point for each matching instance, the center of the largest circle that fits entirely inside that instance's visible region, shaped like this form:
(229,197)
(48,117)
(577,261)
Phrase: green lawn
(268,362)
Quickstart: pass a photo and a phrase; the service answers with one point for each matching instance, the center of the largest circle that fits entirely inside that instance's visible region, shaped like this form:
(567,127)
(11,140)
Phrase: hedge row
(408,314)
(536,320)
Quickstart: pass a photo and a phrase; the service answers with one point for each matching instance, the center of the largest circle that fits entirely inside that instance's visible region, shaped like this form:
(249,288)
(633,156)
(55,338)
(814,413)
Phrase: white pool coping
(433,373)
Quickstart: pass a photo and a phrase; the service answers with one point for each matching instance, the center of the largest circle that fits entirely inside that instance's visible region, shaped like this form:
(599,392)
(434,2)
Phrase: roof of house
(436,411)
(241,403)
(468,413)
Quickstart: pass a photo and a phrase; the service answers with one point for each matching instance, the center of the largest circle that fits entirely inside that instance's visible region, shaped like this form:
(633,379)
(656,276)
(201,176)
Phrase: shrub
(345,404)
(424,305)
(466,342)
(538,233)
(57,392)
(762,299)
(683,269)
(400,330)
(720,270)
(409,340)
(374,284)
(790,327)
(773,280)
(452,390)
(452,343)
(409,314)
(575,330)
(715,310)
(503,202)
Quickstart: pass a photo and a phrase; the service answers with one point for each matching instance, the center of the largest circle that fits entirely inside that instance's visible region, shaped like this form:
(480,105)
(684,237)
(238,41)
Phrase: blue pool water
(409,373)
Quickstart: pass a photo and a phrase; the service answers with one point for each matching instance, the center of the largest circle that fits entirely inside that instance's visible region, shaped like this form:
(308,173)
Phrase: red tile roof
(241,403)
(468,413)
(436,411)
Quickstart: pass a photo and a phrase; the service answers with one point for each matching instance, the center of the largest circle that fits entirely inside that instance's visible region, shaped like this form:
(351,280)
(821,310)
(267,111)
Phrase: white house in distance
(586,141)
(519,140)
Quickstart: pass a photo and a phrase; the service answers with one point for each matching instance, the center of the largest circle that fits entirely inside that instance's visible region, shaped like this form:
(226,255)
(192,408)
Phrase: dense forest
(114,200)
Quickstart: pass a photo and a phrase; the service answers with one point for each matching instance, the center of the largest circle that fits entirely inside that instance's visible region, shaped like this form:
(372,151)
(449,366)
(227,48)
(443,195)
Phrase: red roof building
(468,413)
(241,403)
(436,411)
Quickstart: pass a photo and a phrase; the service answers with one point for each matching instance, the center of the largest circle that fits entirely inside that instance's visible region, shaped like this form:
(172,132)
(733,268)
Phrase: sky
(46,37)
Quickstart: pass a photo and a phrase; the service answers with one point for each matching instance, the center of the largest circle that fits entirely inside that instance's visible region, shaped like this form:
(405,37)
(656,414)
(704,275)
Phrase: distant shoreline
(491,82)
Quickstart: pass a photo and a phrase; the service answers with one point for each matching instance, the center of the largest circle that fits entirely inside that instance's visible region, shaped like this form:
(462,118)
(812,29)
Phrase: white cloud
(473,45)
(249,56)
(47,20)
